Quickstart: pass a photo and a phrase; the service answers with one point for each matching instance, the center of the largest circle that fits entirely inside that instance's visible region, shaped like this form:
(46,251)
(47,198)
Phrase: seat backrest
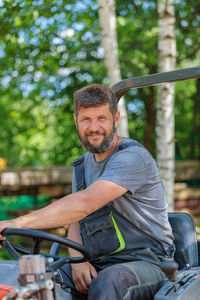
(184,232)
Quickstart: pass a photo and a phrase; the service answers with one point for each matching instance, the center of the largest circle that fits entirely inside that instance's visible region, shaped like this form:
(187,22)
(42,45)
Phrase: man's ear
(117,116)
(75,119)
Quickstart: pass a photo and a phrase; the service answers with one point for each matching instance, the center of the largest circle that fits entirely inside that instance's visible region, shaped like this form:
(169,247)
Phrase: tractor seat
(183,228)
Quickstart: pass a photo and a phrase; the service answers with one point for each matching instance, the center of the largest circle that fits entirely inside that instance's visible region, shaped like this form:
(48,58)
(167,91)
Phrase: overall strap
(125,145)
(79,173)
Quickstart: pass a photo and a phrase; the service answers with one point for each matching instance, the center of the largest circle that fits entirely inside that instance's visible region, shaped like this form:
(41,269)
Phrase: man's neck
(102,156)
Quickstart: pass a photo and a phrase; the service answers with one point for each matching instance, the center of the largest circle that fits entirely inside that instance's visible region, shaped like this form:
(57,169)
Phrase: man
(120,204)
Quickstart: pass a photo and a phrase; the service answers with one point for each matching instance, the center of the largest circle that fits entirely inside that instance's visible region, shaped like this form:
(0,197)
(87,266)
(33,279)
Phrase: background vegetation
(49,49)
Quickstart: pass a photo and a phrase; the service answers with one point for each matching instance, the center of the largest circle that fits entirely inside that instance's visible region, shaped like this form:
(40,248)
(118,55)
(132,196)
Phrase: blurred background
(49,49)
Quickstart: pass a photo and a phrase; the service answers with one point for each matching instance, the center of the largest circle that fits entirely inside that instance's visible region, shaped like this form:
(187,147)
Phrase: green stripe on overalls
(119,235)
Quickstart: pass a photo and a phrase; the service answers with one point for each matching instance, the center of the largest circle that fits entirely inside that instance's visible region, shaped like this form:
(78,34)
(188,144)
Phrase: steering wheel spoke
(11,250)
(21,250)
(38,237)
(36,245)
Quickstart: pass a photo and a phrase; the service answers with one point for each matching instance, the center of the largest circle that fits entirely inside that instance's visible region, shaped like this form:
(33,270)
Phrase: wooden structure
(56,181)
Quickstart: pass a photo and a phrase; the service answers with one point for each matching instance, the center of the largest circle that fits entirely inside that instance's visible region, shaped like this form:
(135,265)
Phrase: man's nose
(94,125)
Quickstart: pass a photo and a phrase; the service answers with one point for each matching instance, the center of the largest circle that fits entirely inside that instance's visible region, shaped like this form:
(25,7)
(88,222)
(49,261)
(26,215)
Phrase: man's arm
(83,273)
(70,208)
(74,235)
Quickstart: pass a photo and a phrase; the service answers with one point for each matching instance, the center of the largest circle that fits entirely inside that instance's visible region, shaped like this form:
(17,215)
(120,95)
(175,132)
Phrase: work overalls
(124,255)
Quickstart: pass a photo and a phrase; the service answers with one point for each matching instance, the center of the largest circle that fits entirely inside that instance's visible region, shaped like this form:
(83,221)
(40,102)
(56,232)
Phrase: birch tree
(107,18)
(165,100)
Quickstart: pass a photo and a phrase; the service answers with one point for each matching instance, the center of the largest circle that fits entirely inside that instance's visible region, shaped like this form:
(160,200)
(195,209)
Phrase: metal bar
(121,87)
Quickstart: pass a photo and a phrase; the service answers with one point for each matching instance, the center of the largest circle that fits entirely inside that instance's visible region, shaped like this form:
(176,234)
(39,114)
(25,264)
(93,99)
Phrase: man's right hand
(6,224)
(82,275)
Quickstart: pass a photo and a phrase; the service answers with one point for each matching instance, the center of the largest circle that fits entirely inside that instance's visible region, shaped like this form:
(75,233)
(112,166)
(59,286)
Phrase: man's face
(96,128)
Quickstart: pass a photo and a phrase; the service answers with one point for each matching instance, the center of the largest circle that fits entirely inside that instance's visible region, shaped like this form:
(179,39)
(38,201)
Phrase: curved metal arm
(121,87)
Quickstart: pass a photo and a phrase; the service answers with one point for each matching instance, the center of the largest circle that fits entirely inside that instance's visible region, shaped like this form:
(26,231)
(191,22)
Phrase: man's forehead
(105,108)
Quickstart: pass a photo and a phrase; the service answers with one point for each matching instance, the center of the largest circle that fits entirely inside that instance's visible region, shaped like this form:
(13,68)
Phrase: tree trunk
(165,101)
(149,130)
(107,17)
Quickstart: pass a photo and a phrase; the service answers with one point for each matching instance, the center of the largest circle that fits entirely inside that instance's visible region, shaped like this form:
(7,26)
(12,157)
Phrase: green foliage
(4,255)
(188,30)
(138,35)
(11,205)
(49,49)
(184,115)
(187,110)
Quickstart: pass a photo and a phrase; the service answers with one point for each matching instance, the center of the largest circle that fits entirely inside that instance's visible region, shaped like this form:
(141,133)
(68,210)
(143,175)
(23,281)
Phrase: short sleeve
(126,168)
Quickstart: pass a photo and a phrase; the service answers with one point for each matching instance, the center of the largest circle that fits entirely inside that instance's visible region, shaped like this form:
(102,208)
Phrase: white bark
(107,18)
(165,102)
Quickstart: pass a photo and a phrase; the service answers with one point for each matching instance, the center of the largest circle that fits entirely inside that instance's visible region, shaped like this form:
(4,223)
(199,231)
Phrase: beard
(103,146)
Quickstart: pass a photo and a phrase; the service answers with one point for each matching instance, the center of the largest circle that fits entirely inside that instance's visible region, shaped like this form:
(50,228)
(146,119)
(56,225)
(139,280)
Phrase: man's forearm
(74,235)
(67,210)
(70,208)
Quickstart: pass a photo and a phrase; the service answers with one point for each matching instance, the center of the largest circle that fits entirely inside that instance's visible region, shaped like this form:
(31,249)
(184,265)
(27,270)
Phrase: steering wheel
(38,237)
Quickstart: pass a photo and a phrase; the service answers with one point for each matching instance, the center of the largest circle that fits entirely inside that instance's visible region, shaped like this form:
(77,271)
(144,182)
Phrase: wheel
(38,237)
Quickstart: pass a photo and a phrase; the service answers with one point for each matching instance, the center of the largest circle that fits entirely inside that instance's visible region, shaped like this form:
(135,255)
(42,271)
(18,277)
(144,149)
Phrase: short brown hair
(95,95)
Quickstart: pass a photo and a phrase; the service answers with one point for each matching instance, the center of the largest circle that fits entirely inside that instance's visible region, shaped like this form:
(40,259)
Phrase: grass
(4,255)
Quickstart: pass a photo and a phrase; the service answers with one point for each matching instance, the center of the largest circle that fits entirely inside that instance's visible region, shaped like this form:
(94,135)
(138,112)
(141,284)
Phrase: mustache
(95,132)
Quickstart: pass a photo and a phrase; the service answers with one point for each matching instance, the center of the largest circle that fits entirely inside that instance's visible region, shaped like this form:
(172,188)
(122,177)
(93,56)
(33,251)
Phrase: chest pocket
(100,233)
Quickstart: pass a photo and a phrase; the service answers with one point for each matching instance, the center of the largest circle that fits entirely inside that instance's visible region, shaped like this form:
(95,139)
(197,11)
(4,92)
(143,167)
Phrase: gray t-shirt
(144,204)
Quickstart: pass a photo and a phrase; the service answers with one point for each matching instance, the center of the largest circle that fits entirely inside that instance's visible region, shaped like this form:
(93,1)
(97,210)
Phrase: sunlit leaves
(48,49)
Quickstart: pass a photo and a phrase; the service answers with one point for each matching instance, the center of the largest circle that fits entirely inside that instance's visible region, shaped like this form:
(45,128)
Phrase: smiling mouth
(95,136)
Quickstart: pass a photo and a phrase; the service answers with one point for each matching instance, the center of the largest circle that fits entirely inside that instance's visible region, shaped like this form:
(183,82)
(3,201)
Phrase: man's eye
(102,118)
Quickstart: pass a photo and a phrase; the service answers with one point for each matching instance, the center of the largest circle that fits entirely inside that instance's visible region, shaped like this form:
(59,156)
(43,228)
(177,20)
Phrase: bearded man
(117,210)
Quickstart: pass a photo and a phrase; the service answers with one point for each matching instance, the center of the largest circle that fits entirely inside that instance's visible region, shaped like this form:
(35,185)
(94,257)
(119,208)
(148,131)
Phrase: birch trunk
(107,18)
(165,100)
